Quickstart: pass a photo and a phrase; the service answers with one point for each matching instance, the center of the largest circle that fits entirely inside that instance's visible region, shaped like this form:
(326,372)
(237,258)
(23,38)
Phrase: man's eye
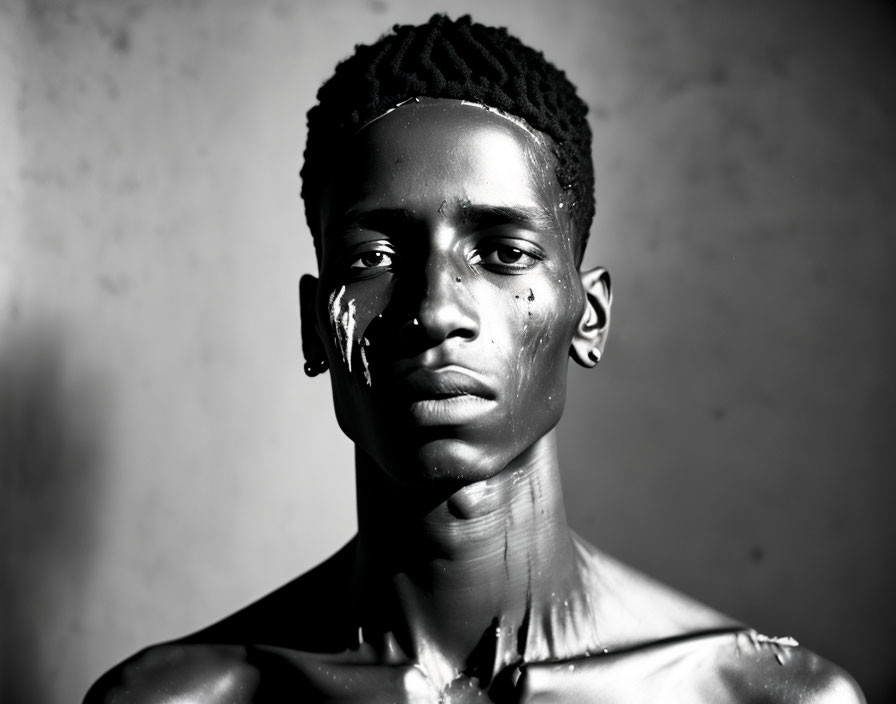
(506,258)
(371,260)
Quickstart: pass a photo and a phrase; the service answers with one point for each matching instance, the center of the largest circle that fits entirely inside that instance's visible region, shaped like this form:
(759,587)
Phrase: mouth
(446,396)
(444,383)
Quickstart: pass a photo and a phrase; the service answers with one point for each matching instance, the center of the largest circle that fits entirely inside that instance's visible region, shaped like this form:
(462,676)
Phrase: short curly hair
(457,59)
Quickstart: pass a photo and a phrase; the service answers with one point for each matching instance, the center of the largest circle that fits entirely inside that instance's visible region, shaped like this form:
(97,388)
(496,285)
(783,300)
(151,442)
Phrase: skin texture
(448,305)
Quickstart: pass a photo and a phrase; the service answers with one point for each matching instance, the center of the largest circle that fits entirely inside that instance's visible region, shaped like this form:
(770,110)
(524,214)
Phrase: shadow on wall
(50,489)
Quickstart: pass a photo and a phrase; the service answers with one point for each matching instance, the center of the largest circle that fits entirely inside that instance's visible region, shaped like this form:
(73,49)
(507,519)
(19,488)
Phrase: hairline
(542,140)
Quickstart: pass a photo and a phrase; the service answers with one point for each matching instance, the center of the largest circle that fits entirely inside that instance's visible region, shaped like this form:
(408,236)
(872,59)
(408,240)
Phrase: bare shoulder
(635,609)
(741,667)
(204,674)
(221,663)
(777,670)
(656,634)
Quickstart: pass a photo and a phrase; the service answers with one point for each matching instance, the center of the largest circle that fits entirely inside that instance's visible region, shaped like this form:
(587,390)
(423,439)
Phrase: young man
(448,185)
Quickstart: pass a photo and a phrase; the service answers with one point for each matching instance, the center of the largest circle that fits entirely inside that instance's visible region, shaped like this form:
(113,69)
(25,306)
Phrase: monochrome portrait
(501,351)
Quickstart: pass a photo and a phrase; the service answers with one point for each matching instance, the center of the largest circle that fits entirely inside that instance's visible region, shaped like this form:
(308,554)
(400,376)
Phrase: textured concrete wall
(164,461)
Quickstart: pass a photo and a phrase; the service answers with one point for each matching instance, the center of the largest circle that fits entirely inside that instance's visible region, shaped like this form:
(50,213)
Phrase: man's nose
(447,307)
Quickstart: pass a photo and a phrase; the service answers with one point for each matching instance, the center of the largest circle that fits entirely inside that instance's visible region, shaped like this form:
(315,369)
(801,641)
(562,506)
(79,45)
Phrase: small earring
(415,322)
(316,368)
(594,355)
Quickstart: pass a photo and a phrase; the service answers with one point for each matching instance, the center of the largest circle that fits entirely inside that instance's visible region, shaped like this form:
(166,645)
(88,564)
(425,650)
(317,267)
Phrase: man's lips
(423,383)
(446,396)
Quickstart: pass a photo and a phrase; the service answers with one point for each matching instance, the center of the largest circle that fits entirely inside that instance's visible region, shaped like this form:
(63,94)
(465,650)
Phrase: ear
(312,345)
(594,325)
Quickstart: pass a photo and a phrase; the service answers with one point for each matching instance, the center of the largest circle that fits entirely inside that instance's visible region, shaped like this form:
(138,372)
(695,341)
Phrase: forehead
(443,150)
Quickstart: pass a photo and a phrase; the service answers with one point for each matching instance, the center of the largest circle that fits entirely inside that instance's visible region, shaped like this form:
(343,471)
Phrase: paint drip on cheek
(362,347)
(343,321)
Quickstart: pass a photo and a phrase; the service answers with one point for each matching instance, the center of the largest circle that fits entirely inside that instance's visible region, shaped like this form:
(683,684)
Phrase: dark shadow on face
(50,488)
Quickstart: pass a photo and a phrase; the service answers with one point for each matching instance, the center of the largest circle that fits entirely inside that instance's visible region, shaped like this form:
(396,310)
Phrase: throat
(487,578)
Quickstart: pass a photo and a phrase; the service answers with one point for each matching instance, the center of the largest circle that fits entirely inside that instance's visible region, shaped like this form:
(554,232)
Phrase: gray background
(164,460)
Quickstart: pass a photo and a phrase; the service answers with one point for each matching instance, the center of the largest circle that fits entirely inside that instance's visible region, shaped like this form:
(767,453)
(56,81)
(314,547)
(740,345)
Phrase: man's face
(448,291)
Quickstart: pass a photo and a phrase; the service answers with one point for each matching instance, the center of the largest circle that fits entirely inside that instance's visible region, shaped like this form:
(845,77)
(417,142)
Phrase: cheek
(347,314)
(540,333)
(342,321)
(550,317)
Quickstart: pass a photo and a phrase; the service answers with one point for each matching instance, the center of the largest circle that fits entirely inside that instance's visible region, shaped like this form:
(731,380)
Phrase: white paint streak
(348,328)
(342,320)
(365,343)
(335,307)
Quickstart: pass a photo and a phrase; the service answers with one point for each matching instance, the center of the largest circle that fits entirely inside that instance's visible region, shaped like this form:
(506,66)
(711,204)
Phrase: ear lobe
(312,345)
(594,325)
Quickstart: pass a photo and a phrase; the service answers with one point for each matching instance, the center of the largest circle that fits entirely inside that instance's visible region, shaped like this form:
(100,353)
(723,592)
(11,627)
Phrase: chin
(448,462)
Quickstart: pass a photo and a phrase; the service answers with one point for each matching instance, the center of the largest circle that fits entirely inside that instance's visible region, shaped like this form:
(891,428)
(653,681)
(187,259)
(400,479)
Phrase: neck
(479,577)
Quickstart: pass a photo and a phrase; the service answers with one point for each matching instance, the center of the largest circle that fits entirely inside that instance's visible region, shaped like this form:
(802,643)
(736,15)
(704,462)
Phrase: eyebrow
(381,220)
(479,217)
(483,217)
